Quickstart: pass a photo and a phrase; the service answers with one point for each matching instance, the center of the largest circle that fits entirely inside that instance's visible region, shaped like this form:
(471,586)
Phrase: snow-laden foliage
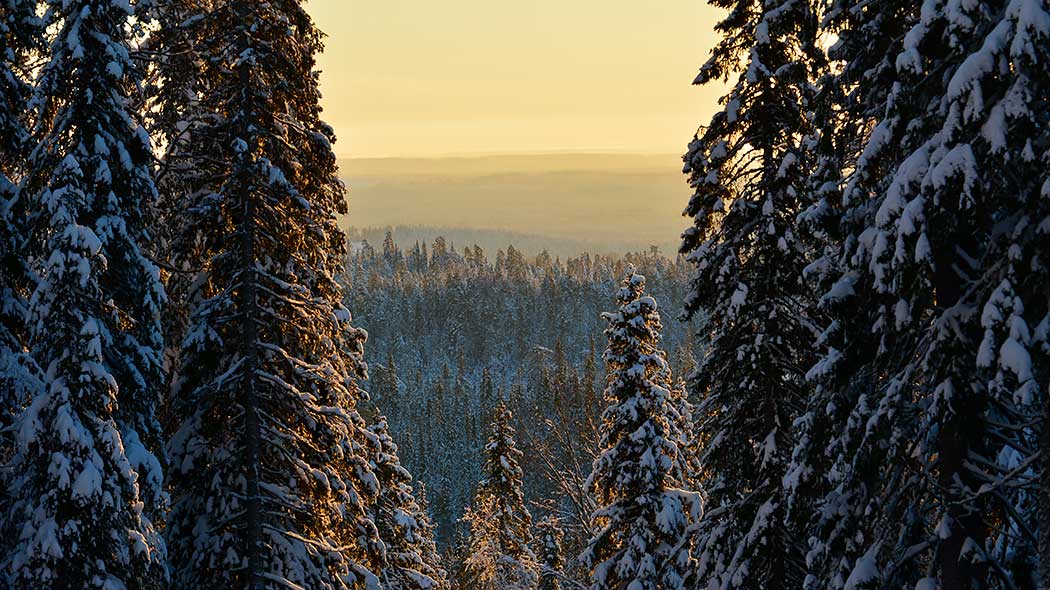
(850,100)
(21,36)
(549,536)
(88,481)
(640,540)
(500,553)
(269,472)
(927,390)
(749,169)
(411,560)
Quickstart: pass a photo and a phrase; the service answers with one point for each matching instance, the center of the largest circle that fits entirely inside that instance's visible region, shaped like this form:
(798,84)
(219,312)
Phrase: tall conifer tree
(501,556)
(552,563)
(640,540)
(411,559)
(749,171)
(940,432)
(820,484)
(930,473)
(270,476)
(88,480)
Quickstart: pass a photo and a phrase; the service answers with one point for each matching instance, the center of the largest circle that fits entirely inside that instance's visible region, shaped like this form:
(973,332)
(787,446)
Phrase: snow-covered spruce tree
(552,564)
(934,454)
(411,560)
(750,173)
(500,555)
(821,484)
(21,35)
(641,540)
(1015,350)
(431,553)
(269,474)
(174,84)
(88,480)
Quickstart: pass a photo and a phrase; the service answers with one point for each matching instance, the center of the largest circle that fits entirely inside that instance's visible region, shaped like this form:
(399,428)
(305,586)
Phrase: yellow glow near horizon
(408,78)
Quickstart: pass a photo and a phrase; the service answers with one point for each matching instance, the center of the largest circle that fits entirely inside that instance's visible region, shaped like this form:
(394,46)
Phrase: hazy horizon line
(490,154)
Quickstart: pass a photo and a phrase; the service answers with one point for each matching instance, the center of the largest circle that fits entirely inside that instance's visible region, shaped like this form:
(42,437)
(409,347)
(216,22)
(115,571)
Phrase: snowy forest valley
(831,373)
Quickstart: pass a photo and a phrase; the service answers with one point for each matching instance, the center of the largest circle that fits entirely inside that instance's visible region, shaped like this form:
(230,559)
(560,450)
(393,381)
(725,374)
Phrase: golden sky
(420,78)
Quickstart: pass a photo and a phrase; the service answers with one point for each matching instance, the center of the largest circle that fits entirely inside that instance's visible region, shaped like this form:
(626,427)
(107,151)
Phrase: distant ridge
(511,163)
(594,202)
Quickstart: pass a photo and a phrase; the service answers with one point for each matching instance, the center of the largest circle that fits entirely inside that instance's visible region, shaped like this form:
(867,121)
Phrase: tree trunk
(960,433)
(249,332)
(952,451)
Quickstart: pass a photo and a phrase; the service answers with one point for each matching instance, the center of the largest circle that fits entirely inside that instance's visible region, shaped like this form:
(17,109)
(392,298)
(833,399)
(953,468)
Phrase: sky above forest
(409,78)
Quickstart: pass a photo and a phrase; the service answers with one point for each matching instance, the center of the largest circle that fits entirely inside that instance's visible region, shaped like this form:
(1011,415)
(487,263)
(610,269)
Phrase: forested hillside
(454,332)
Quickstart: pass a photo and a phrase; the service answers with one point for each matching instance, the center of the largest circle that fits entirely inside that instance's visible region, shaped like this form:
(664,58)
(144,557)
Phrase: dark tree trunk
(958,434)
(249,330)
(957,574)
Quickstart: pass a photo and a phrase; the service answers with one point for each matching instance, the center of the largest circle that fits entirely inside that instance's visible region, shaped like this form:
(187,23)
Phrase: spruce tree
(88,482)
(931,255)
(749,170)
(929,469)
(1014,353)
(431,553)
(500,541)
(269,476)
(180,123)
(849,102)
(410,561)
(552,563)
(640,540)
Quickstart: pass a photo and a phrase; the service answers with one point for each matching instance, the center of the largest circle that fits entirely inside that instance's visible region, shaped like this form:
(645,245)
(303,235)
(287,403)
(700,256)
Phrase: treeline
(491,240)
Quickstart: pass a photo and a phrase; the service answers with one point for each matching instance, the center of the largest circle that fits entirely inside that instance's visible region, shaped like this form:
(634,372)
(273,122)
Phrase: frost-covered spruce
(549,536)
(749,171)
(500,554)
(21,35)
(270,479)
(411,559)
(640,540)
(935,199)
(1014,353)
(821,484)
(688,439)
(88,482)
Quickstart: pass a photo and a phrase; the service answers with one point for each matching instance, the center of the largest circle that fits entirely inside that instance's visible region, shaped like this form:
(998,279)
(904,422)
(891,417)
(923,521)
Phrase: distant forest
(455,329)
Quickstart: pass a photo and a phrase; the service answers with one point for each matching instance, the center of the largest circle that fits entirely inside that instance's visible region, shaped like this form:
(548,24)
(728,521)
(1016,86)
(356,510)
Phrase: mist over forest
(547,200)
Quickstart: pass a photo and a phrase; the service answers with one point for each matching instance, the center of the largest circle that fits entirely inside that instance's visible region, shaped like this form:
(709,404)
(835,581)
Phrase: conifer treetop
(641,524)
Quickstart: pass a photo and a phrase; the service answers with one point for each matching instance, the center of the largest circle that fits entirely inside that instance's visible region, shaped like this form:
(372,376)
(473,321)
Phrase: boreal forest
(213,377)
